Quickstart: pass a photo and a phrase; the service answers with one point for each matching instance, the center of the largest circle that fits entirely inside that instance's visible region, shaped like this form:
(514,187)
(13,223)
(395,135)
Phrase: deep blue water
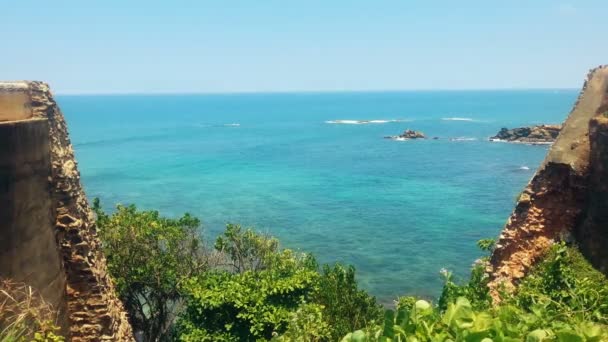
(399,211)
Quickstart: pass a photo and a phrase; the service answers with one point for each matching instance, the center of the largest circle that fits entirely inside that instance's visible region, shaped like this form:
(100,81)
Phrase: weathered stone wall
(592,234)
(48,236)
(28,252)
(14,101)
(95,312)
(561,195)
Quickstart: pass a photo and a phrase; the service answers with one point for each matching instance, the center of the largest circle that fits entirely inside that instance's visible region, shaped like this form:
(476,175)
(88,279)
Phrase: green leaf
(592,332)
(389,323)
(459,315)
(359,336)
(568,336)
(537,335)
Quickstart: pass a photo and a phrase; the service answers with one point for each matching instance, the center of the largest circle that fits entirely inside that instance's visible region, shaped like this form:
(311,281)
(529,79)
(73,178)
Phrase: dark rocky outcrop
(408,134)
(567,199)
(541,134)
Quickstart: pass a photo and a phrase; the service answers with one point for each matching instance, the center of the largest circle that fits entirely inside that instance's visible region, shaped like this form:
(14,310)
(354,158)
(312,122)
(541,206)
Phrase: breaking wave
(457,119)
(463,139)
(363,122)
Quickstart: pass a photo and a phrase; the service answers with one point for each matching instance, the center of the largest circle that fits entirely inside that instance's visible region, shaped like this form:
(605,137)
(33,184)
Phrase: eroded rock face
(94,311)
(566,198)
(592,234)
(541,134)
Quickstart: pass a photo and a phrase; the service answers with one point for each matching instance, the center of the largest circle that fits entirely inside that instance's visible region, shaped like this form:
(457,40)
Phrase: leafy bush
(565,284)
(150,257)
(486,245)
(461,322)
(346,306)
(253,290)
(267,292)
(256,299)
(405,302)
(246,250)
(562,299)
(306,324)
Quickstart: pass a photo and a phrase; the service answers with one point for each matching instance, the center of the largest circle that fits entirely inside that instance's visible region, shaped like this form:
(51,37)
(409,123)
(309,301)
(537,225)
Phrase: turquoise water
(398,210)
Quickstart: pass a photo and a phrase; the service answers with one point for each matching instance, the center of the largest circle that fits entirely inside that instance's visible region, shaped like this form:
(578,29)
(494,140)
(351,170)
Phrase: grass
(24,315)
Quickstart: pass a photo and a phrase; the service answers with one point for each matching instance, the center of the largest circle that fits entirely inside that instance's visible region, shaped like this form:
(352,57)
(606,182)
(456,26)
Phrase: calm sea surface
(397,210)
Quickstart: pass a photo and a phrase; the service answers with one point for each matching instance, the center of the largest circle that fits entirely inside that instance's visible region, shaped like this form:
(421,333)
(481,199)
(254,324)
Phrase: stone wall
(94,312)
(592,234)
(565,192)
(14,101)
(28,252)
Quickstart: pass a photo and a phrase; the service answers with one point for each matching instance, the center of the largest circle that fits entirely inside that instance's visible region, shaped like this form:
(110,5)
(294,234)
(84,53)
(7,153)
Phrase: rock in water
(408,134)
(540,134)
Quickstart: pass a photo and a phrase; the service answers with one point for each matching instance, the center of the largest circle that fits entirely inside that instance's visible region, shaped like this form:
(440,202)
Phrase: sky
(136,46)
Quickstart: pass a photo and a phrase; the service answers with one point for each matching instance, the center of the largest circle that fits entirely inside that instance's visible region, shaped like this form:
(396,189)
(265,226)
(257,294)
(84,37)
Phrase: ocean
(302,167)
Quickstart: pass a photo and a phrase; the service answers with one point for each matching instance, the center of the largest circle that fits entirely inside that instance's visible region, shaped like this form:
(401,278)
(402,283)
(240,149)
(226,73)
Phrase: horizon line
(287,92)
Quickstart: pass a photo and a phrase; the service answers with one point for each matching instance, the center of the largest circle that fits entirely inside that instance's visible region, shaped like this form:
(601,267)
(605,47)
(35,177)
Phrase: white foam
(363,122)
(463,139)
(217,125)
(344,122)
(521,142)
(524,168)
(457,119)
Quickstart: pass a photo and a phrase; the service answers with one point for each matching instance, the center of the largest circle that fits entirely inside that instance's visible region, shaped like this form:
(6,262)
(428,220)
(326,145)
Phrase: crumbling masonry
(30,121)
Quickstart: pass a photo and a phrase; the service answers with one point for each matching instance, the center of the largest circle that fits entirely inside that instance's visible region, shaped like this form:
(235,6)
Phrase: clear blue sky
(127,46)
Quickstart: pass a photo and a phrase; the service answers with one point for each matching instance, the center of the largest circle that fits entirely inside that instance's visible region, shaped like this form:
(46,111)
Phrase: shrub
(246,306)
(565,284)
(150,257)
(562,299)
(306,324)
(346,306)
(462,322)
(266,292)
(258,298)
(246,250)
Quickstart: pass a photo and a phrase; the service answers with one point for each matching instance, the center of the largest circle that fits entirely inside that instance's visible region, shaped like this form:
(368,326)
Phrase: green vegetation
(244,288)
(247,288)
(346,307)
(562,299)
(565,286)
(252,300)
(25,316)
(150,258)
(461,322)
